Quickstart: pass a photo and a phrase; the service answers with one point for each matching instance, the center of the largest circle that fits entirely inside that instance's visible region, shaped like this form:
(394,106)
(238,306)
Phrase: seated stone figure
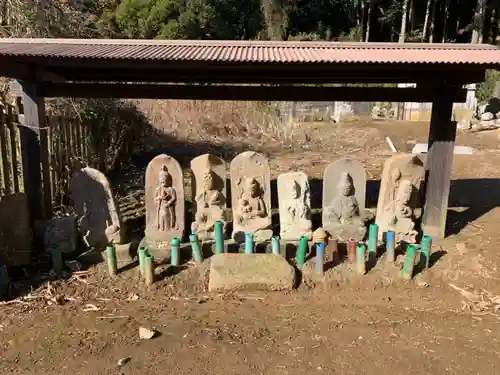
(209,208)
(251,212)
(402,218)
(297,216)
(345,221)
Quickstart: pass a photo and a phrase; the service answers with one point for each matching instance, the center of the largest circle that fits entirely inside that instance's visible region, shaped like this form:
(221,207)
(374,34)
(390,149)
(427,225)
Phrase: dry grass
(209,119)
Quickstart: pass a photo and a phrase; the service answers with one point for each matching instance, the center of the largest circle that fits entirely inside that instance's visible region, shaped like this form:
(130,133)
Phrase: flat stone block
(250,272)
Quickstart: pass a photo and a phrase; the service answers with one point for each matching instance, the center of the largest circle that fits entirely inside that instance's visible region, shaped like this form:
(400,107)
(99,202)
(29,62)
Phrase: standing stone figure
(164,196)
(96,208)
(398,198)
(251,198)
(209,191)
(294,206)
(344,200)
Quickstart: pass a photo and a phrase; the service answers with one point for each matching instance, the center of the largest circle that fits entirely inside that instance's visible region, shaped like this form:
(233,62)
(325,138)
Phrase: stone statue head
(208,179)
(164,176)
(345,186)
(295,192)
(252,187)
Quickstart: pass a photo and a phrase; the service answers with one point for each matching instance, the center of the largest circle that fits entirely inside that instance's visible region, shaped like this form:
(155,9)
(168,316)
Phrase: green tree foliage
(484,91)
(189,19)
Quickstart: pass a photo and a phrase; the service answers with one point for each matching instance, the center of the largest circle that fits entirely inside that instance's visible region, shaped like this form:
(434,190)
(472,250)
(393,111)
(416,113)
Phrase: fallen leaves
(479,303)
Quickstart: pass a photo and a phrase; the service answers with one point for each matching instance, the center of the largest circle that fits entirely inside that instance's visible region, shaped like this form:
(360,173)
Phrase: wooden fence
(67,143)
(11,180)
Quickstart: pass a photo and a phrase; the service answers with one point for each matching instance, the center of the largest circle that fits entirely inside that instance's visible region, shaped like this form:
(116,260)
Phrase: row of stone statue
(344,190)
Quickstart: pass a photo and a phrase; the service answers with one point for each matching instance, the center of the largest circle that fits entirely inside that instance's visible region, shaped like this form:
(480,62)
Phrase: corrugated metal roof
(250,51)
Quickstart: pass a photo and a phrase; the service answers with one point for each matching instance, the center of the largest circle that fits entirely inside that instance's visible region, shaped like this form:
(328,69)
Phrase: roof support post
(442,135)
(34,150)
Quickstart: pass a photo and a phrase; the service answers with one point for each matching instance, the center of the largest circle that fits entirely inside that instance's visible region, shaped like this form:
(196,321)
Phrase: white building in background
(421,111)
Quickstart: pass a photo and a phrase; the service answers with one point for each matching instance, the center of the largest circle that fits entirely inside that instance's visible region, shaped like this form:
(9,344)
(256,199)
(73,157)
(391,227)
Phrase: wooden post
(34,152)
(442,135)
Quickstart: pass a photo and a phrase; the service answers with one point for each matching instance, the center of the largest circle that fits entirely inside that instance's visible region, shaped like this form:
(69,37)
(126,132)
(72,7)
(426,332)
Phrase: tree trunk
(411,16)
(478,22)
(445,22)
(368,22)
(496,25)
(404,18)
(275,17)
(362,16)
(433,22)
(426,20)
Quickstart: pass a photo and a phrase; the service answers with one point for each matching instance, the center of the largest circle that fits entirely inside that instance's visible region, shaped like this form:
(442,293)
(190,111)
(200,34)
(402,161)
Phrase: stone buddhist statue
(165,199)
(398,198)
(252,210)
(209,195)
(97,211)
(344,199)
(344,216)
(294,206)
(401,213)
(250,177)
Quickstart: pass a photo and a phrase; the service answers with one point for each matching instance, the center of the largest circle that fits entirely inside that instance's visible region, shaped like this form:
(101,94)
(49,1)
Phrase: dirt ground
(444,321)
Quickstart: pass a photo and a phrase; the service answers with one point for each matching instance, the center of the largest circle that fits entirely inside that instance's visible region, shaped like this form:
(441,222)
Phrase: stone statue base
(346,232)
(294,234)
(159,248)
(259,235)
(207,234)
(125,254)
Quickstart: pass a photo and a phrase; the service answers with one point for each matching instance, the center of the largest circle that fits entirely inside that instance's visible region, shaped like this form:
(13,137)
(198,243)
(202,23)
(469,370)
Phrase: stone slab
(61,233)
(98,215)
(421,148)
(16,235)
(267,272)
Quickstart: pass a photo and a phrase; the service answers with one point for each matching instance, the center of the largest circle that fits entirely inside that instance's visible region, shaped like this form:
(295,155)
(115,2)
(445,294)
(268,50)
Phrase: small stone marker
(62,233)
(146,333)
(251,196)
(15,230)
(344,195)
(294,206)
(250,272)
(164,195)
(398,198)
(98,215)
(209,193)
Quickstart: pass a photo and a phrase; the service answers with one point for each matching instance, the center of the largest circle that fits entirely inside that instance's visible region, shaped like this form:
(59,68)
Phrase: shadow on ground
(477,197)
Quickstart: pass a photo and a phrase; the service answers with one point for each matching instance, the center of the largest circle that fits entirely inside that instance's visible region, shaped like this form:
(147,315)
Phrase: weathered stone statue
(164,195)
(165,199)
(294,206)
(209,191)
(98,215)
(251,198)
(398,198)
(344,189)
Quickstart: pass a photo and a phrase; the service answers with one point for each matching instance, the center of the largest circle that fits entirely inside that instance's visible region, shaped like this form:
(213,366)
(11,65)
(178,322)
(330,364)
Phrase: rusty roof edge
(248,43)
